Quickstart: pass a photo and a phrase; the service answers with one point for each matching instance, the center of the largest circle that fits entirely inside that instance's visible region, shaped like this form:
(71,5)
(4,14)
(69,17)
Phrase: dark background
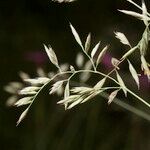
(24,26)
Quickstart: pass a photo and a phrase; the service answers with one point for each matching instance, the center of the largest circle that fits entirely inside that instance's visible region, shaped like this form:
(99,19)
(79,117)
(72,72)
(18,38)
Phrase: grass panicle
(75,95)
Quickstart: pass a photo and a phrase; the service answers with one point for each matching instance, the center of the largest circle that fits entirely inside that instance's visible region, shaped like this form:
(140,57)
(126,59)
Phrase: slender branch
(100,73)
(96,72)
(123,104)
(94,67)
(46,84)
(139,98)
(110,88)
(128,107)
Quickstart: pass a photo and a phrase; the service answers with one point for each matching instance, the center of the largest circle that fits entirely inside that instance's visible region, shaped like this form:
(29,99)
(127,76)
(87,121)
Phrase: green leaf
(122,38)
(56,86)
(115,62)
(101,55)
(76,36)
(88,42)
(144,12)
(121,83)
(22,116)
(51,54)
(134,74)
(145,67)
(23,101)
(143,44)
(66,93)
(99,85)
(112,96)
(95,49)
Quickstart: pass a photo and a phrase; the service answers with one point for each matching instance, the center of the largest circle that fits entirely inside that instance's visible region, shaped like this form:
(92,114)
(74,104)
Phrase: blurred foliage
(25,26)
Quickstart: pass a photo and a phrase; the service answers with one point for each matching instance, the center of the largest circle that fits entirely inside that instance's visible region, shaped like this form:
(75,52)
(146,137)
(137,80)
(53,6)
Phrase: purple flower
(37,57)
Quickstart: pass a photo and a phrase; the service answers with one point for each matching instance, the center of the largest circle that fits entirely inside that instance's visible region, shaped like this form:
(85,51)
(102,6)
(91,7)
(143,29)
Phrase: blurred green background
(24,26)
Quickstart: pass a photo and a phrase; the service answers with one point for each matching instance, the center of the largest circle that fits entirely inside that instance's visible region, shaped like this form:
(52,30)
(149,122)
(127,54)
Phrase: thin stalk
(46,84)
(128,107)
(123,104)
(97,72)
(110,88)
(94,67)
(139,98)
(81,71)
(100,73)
